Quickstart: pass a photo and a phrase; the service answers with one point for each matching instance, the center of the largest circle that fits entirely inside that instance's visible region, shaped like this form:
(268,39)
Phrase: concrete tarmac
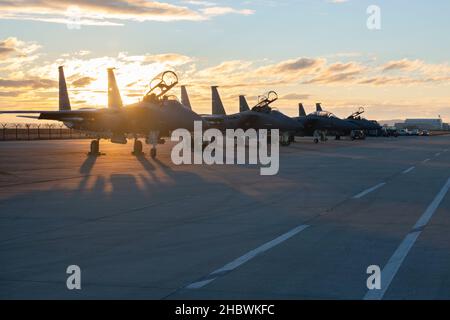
(141,228)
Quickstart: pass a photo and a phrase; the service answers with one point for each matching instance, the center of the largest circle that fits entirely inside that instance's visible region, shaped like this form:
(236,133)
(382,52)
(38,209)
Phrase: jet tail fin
(217,105)
(64,102)
(114,98)
(185,98)
(319,107)
(301,110)
(243,105)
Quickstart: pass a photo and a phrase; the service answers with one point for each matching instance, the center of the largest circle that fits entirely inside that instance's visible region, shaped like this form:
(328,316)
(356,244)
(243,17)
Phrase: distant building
(400,125)
(421,124)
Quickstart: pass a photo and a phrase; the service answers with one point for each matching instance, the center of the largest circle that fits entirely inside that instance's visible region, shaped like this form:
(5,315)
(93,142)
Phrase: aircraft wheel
(316,140)
(338,137)
(137,148)
(153,152)
(95,147)
(285,140)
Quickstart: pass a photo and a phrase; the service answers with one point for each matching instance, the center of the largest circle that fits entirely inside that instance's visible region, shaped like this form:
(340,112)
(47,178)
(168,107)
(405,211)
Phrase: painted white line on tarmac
(245,258)
(365,192)
(408,170)
(426,160)
(437,154)
(395,262)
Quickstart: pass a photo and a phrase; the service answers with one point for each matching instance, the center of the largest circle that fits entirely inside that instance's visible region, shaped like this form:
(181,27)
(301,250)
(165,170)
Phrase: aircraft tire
(153,153)
(137,148)
(95,147)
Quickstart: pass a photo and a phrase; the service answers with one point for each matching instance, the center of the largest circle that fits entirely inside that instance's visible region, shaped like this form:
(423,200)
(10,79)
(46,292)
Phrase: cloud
(108,13)
(83,82)
(294,65)
(403,64)
(34,83)
(10,93)
(338,73)
(12,47)
(295,96)
(219,11)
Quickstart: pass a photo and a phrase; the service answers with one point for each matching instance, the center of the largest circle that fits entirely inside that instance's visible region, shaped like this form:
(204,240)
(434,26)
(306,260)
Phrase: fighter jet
(261,116)
(154,117)
(319,124)
(369,127)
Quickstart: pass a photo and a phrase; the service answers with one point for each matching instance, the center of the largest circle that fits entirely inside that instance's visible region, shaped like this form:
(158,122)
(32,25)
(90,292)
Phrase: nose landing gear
(153,139)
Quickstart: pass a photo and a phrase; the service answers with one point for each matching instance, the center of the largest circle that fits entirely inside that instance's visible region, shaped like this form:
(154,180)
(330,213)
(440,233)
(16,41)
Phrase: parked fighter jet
(369,127)
(261,116)
(321,123)
(155,116)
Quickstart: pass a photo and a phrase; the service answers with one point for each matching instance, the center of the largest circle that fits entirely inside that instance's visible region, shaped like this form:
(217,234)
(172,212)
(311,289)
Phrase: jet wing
(63,115)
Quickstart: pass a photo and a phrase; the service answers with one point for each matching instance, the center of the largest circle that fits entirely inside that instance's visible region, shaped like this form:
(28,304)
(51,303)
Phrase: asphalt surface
(147,229)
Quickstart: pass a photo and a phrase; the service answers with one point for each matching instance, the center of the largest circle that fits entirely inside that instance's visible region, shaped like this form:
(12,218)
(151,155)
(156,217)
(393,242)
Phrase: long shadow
(145,163)
(88,164)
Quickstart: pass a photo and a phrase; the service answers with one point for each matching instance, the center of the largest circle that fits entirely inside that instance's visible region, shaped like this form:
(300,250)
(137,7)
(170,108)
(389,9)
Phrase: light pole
(17,125)
(28,125)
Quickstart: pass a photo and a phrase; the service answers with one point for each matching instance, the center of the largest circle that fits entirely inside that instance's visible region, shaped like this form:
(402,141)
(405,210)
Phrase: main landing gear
(320,135)
(95,148)
(137,148)
(285,139)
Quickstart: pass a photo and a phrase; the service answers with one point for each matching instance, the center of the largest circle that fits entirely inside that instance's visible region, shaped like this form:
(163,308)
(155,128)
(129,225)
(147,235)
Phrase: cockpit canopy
(160,85)
(324,114)
(264,102)
(357,115)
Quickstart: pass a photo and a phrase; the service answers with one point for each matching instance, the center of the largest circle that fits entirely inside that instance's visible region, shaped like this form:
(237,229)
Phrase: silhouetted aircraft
(155,116)
(369,127)
(261,116)
(319,124)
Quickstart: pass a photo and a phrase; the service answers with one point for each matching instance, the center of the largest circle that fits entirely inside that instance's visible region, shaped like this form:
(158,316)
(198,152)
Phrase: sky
(337,52)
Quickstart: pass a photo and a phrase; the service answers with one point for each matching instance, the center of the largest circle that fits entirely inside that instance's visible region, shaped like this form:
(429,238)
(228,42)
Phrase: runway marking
(395,262)
(437,154)
(408,170)
(426,160)
(365,192)
(245,258)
